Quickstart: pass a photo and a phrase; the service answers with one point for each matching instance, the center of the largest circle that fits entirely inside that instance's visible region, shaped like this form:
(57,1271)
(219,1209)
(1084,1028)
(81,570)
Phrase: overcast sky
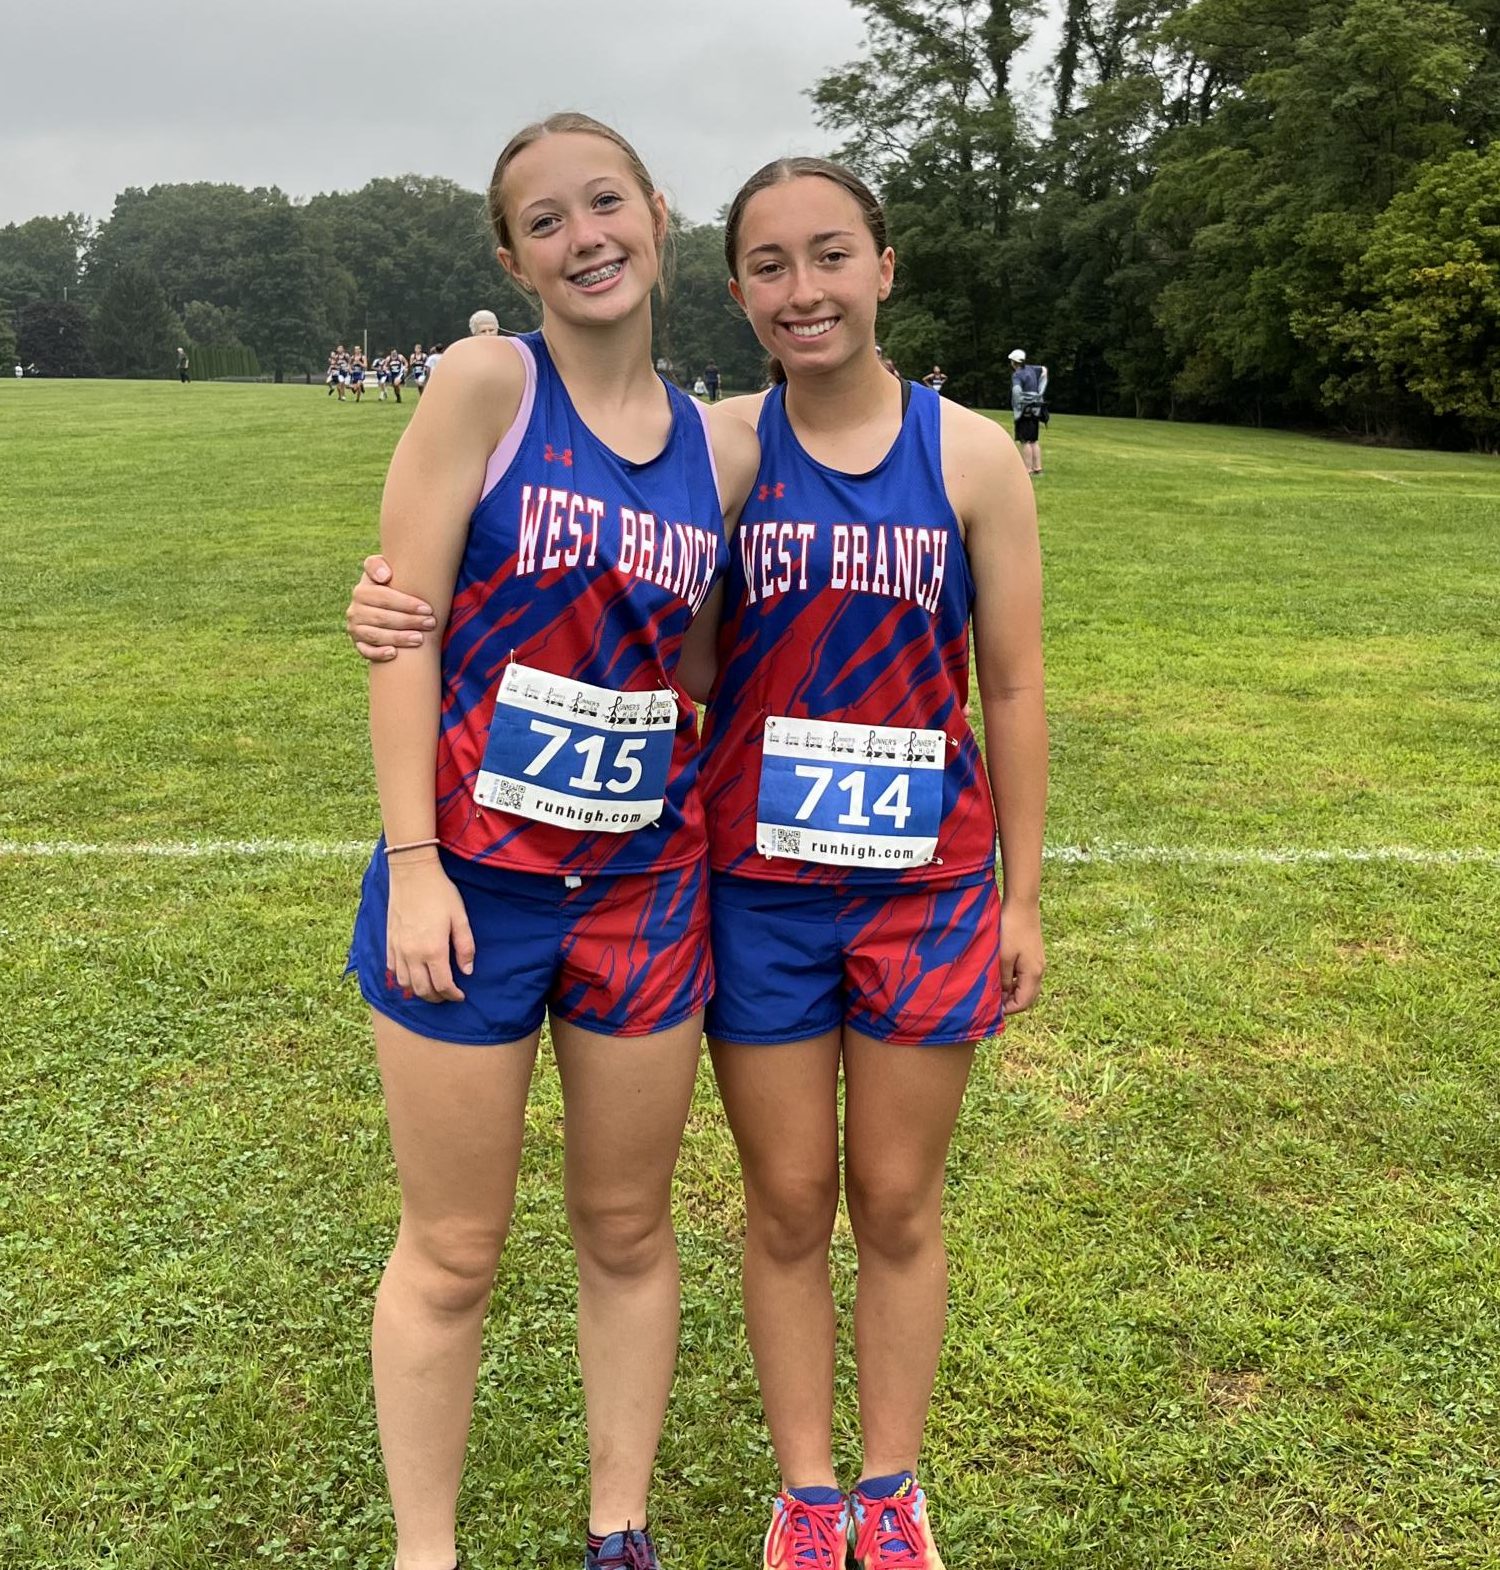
(320,95)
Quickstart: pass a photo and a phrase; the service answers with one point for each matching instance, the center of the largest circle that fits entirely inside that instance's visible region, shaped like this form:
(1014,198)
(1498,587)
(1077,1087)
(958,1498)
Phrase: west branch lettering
(899,561)
(561,528)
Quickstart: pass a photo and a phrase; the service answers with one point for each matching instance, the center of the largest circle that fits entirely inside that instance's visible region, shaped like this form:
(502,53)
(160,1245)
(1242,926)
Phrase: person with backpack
(1028,403)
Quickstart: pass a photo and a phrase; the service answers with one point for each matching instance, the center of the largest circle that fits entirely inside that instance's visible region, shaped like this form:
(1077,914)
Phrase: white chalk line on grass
(1080,855)
(1290,856)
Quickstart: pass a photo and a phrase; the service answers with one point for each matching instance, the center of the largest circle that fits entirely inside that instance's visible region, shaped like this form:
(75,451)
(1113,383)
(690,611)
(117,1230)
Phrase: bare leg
(626,1102)
(782,1103)
(900,1105)
(456,1117)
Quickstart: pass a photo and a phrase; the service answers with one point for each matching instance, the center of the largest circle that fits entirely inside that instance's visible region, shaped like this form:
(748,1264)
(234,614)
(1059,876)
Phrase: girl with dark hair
(852,830)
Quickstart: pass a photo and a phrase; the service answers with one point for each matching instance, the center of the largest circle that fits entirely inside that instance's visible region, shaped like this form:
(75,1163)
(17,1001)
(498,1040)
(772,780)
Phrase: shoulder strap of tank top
(772,407)
(701,411)
(927,432)
(510,444)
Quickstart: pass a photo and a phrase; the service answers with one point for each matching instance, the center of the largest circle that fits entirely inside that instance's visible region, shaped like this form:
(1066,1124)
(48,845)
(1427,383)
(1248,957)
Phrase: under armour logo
(771,492)
(565,457)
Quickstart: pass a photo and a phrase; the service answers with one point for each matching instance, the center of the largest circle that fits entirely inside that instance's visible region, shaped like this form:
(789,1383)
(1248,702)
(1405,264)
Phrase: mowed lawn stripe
(1185,855)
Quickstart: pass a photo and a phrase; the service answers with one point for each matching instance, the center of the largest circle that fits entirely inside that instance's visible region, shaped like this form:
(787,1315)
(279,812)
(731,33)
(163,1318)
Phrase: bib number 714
(849,794)
(892,802)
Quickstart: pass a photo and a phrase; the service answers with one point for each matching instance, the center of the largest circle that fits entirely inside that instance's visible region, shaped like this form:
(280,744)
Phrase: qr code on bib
(788,841)
(509,794)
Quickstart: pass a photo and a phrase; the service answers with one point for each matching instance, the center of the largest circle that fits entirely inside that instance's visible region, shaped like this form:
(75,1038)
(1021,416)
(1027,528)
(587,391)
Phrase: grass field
(1224,1213)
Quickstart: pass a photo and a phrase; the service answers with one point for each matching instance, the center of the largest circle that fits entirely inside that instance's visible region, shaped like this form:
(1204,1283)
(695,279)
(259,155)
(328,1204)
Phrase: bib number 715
(592,749)
(586,758)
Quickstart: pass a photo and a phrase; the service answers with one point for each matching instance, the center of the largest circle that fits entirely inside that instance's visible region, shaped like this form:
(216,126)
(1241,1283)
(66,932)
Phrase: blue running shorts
(910,966)
(623,955)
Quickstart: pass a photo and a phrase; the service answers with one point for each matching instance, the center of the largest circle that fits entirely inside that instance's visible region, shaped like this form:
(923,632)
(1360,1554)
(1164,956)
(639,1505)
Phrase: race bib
(582,757)
(850,795)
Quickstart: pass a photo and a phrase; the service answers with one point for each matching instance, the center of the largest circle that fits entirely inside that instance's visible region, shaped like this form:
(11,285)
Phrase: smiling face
(579,228)
(809,274)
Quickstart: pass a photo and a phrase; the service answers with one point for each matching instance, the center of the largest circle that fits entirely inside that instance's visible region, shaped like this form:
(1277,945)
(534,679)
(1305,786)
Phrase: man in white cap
(484,324)
(1028,403)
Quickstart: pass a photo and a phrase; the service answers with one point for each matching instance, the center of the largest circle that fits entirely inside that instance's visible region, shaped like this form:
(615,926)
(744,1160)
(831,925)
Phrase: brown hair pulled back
(779,172)
(571,120)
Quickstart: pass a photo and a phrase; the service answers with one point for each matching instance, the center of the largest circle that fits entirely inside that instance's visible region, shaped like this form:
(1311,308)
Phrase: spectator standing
(182,365)
(712,381)
(1028,403)
(935,378)
(484,324)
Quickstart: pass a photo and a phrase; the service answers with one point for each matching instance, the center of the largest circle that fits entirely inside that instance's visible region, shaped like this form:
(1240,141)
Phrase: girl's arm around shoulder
(993,498)
(434,482)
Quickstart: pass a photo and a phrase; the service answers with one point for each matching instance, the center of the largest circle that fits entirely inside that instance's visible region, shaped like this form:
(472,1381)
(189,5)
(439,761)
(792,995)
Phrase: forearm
(1015,732)
(404,708)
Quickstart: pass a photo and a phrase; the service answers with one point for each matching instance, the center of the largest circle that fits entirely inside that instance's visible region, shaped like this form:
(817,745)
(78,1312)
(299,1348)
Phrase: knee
(449,1266)
(894,1221)
(792,1221)
(620,1238)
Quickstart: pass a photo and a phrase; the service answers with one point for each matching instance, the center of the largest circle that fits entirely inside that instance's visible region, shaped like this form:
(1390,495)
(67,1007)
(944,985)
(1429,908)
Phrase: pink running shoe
(807,1537)
(894,1534)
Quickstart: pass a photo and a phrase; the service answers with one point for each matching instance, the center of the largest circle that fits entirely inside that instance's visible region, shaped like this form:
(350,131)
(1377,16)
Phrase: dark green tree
(1083,277)
(291,289)
(928,115)
(421,259)
(1332,107)
(191,238)
(1426,322)
(42,259)
(698,321)
(53,335)
(135,332)
(210,324)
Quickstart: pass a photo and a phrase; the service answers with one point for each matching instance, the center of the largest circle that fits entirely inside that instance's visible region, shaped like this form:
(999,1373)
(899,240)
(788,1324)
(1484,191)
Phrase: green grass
(1223,1211)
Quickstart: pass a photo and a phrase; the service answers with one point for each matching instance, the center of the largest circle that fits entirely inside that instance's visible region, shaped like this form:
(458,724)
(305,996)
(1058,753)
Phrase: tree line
(1253,210)
(400,261)
(1278,211)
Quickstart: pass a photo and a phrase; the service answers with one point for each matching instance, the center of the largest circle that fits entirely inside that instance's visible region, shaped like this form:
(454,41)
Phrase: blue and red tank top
(847,602)
(581,573)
